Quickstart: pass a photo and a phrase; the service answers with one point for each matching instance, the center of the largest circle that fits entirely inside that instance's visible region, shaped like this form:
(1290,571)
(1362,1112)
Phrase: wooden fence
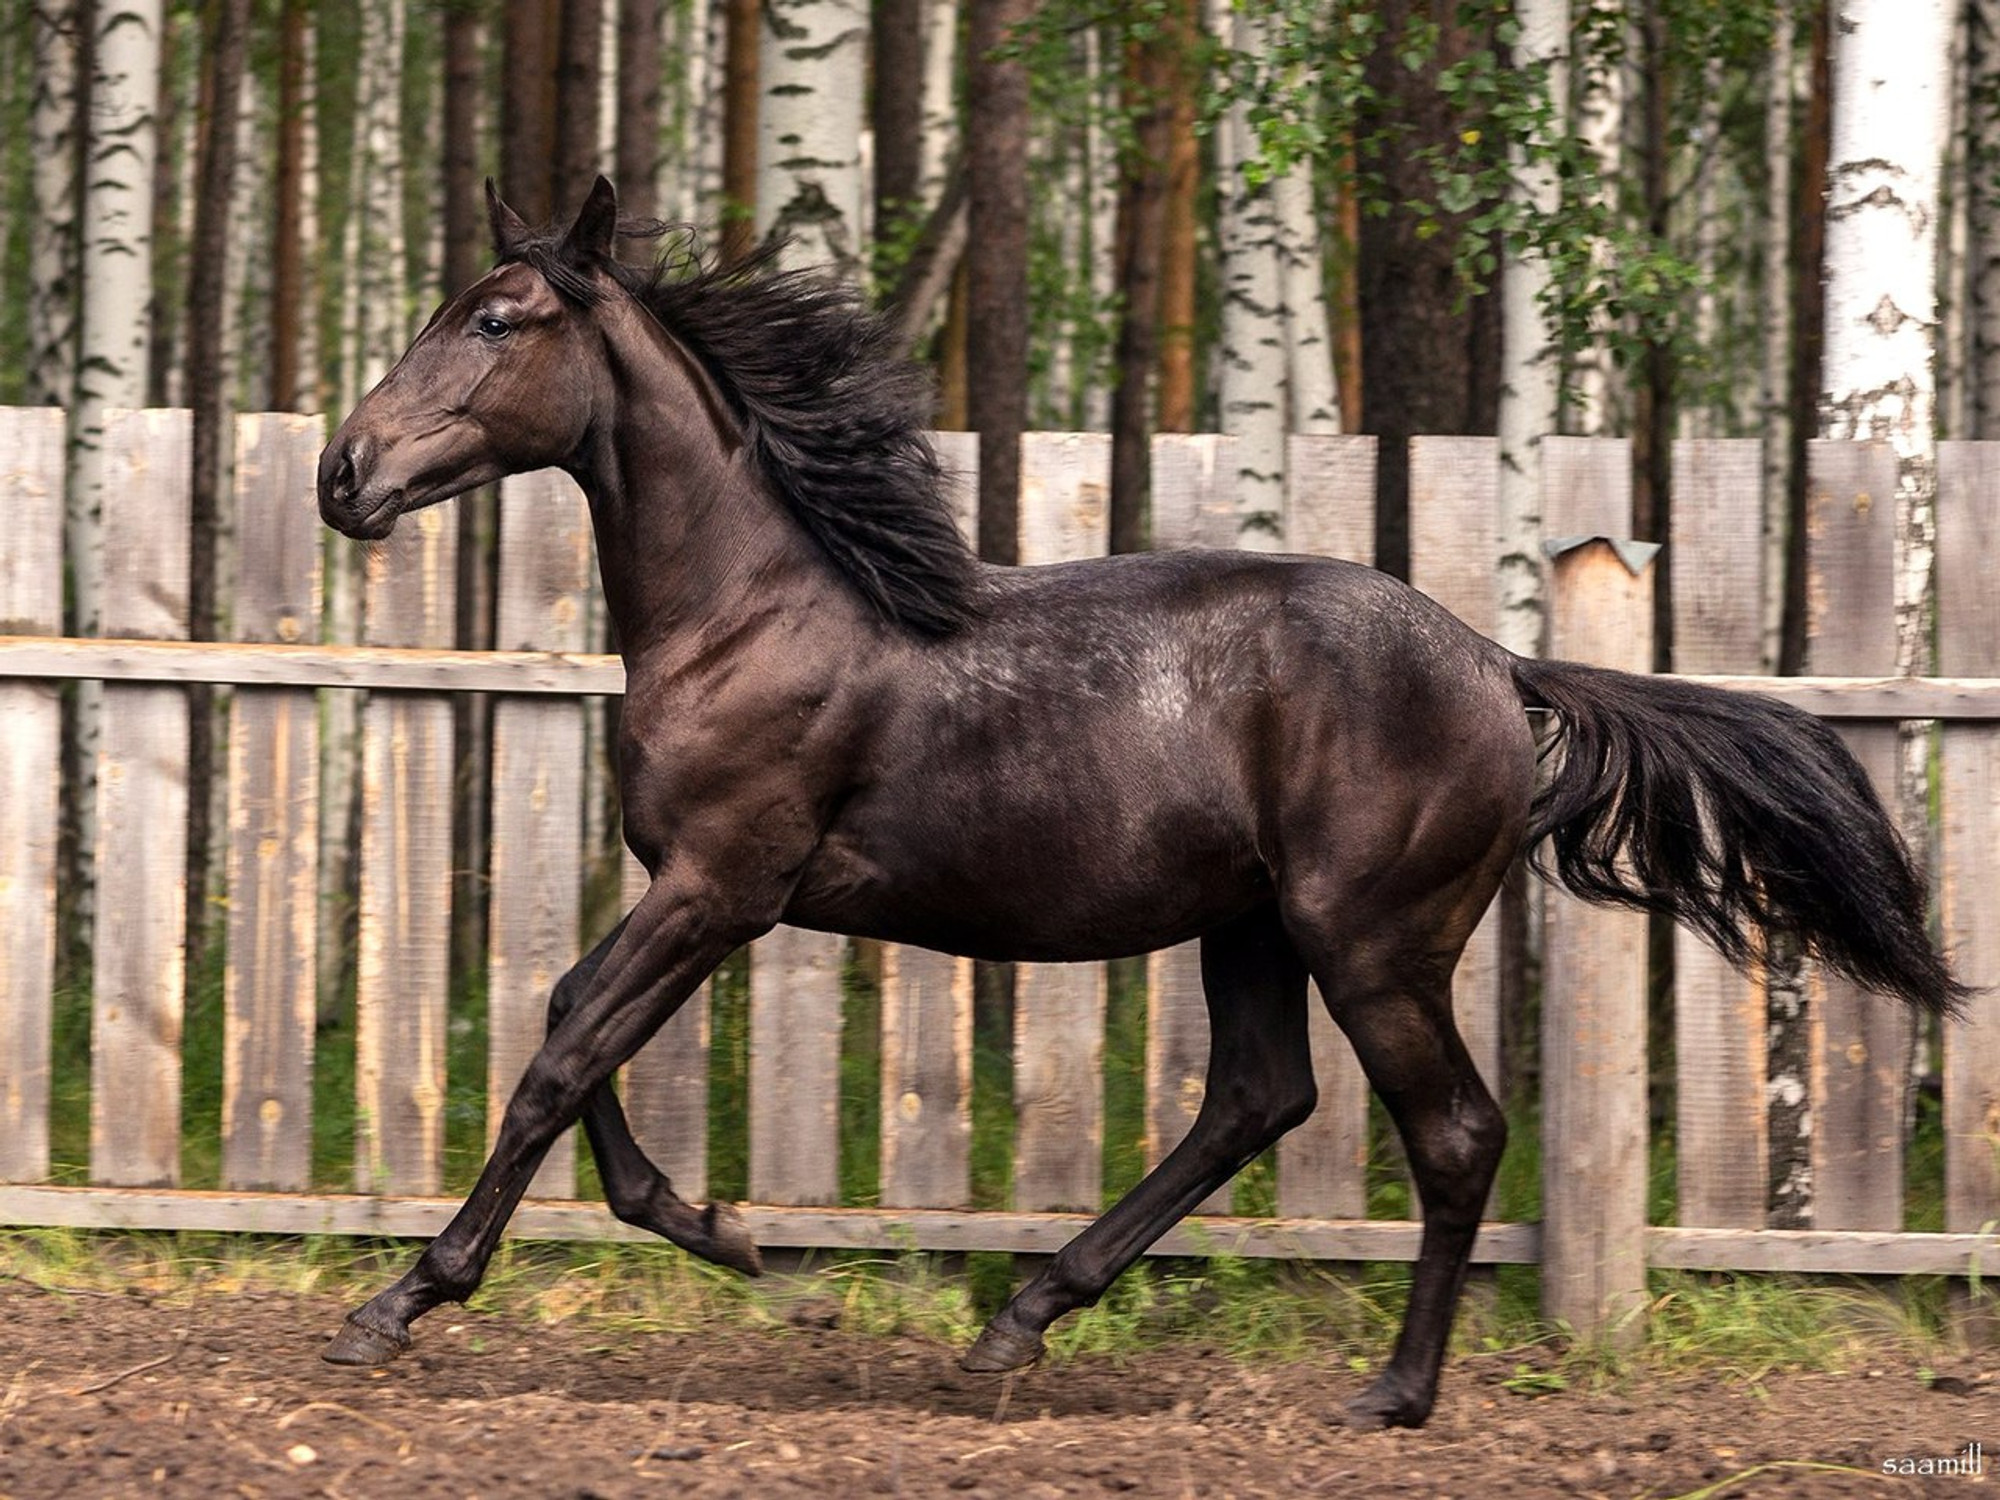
(1593,1241)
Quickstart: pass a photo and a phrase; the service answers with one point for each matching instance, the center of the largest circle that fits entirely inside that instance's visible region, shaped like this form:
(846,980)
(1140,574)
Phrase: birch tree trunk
(1599,85)
(813,83)
(1891,86)
(56,31)
(1530,366)
(1315,395)
(120,148)
(1252,370)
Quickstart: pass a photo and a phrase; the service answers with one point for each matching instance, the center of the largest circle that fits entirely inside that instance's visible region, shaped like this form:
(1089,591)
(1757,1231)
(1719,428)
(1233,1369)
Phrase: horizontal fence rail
(278,664)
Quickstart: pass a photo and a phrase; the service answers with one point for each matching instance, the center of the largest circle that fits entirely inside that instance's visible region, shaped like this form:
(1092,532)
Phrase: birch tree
(1982,276)
(1891,105)
(813,84)
(55,31)
(1529,363)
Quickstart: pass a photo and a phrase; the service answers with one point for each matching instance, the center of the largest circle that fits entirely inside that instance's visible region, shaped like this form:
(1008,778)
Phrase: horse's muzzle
(346,502)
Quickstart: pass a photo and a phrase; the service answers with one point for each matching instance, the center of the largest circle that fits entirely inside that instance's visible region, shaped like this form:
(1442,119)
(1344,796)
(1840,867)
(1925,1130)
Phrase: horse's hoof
(729,1242)
(998,1350)
(363,1347)
(1383,1405)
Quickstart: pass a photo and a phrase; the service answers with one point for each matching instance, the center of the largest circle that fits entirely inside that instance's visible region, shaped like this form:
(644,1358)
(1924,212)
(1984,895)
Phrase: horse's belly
(1038,893)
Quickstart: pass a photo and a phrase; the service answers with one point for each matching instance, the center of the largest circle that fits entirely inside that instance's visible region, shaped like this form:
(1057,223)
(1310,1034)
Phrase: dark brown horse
(836,717)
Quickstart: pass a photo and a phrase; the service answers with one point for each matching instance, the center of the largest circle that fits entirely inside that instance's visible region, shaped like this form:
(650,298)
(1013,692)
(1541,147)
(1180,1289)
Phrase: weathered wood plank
(666,1085)
(1586,488)
(1323,1163)
(540,673)
(1330,496)
(538,761)
(1862,1042)
(926,1079)
(795,1067)
(138,968)
(1059,1008)
(1813,1252)
(402,983)
(1594,1013)
(1969,842)
(1721,1120)
(1454,539)
(273,822)
(31,586)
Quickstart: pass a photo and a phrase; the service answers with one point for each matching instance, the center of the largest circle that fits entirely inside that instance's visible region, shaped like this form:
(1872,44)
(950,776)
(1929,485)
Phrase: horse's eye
(494,328)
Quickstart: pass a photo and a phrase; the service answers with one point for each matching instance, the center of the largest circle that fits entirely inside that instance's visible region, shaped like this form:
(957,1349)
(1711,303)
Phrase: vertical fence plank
(1330,496)
(1323,1163)
(1587,489)
(31,584)
(402,980)
(1059,1008)
(1721,1131)
(666,1085)
(1594,1013)
(138,960)
(795,1067)
(538,761)
(926,1093)
(1191,508)
(1969,645)
(1454,537)
(1861,1041)
(273,826)
(926,1078)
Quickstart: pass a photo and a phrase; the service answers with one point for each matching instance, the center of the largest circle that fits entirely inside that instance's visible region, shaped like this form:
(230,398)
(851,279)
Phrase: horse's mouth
(376,524)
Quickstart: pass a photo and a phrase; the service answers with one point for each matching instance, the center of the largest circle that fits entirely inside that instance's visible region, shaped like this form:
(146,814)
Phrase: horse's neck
(686,530)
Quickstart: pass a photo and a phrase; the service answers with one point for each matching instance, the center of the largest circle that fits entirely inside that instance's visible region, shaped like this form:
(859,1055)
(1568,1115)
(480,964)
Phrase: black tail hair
(1730,812)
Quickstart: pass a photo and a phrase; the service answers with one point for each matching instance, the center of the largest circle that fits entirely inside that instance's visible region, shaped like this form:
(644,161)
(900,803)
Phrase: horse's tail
(1730,812)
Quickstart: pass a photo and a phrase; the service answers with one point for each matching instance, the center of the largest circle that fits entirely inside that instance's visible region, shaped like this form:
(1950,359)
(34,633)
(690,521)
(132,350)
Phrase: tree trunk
(1774,324)
(116,289)
(1983,223)
(997,270)
(1421,342)
(1530,367)
(56,140)
(1315,395)
(743,89)
(638,141)
(207,318)
(580,49)
(1176,411)
(528,121)
(896,115)
(813,76)
(1150,84)
(294,386)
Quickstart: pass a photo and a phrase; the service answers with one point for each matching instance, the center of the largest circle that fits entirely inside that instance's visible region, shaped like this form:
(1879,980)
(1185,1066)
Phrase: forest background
(1651,221)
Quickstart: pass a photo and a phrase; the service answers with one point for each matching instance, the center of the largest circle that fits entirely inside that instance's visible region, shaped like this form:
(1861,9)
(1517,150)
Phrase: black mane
(835,417)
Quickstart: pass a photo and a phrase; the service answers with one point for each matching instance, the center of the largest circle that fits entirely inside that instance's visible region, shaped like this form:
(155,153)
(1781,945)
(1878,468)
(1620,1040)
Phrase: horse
(836,716)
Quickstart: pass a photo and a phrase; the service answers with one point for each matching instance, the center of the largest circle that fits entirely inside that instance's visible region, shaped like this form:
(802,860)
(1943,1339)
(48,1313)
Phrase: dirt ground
(112,1395)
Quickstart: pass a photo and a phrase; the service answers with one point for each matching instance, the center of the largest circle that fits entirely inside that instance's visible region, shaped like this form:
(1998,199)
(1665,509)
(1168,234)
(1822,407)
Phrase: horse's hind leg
(1260,1084)
(636,1191)
(1390,992)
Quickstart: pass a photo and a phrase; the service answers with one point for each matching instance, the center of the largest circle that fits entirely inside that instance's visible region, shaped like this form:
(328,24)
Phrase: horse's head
(499,381)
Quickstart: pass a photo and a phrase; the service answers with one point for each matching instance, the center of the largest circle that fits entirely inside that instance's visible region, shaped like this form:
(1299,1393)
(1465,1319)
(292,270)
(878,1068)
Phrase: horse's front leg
(666,948)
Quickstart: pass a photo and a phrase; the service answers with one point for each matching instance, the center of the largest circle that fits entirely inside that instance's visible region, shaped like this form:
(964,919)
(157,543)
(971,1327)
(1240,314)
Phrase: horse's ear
(589,238)
(508,227)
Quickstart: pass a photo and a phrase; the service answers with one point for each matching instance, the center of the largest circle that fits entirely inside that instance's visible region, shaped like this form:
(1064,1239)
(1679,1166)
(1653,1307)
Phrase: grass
(1744,1325)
